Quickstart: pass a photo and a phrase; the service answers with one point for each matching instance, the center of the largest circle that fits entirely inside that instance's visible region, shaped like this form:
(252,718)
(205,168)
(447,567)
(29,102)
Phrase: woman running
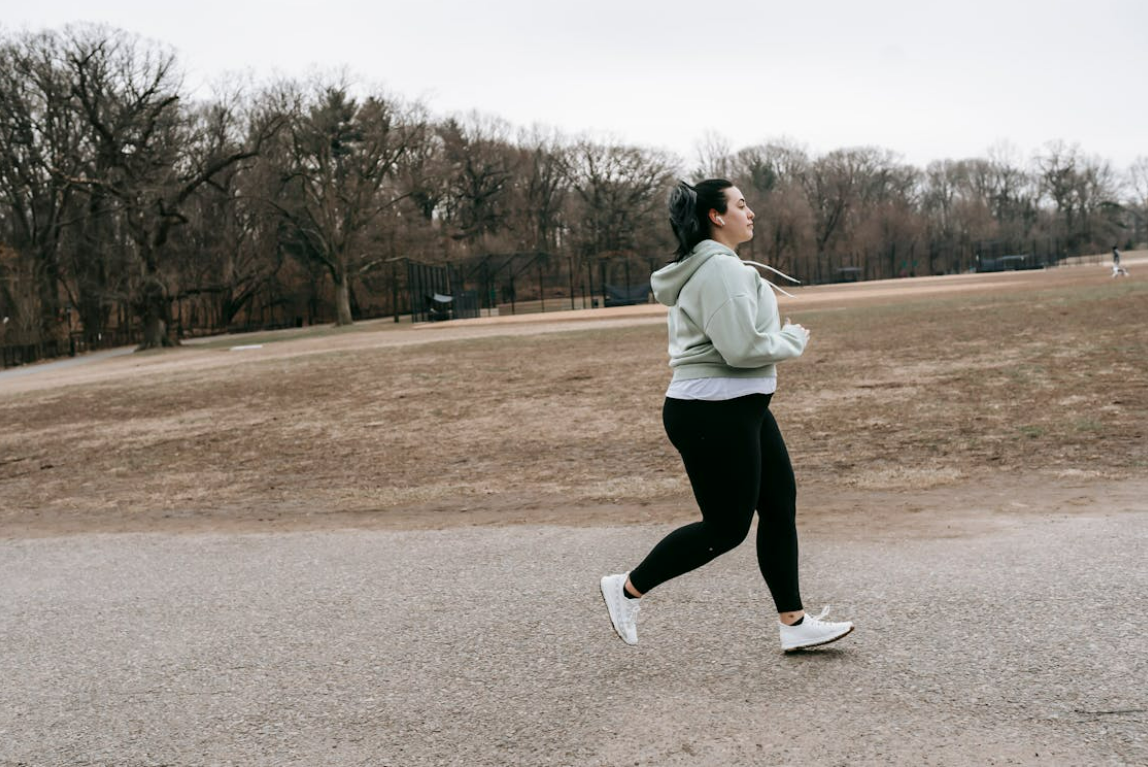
(726,338)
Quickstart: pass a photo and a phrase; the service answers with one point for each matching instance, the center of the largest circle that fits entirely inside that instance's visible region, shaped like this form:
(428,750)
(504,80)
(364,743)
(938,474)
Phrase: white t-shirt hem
(717,389)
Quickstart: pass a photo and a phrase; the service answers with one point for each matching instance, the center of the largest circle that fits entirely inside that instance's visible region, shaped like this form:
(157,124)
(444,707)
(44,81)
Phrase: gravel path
(1021,645)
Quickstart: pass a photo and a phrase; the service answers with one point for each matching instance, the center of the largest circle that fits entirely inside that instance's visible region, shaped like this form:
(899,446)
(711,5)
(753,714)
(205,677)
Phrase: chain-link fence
(520,283)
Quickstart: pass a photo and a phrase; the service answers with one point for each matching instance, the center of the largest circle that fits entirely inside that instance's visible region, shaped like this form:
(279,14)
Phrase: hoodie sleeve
(734,330)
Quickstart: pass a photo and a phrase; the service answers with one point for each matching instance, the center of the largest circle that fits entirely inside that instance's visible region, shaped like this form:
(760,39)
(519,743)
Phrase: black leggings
(737,462)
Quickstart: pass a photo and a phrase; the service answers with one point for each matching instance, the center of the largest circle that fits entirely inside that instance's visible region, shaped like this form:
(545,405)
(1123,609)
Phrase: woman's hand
(799,328)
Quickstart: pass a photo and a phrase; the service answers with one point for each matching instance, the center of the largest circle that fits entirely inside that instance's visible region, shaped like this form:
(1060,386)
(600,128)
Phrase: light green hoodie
(723,317)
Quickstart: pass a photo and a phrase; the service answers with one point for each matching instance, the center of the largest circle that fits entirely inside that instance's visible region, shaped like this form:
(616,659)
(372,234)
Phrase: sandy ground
(381,545)
(903,390)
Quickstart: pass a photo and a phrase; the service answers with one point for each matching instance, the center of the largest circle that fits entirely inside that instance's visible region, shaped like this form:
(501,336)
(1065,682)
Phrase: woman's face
(737,221)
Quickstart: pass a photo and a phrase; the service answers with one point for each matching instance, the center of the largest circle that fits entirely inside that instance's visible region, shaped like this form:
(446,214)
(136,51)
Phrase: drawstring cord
(775,271)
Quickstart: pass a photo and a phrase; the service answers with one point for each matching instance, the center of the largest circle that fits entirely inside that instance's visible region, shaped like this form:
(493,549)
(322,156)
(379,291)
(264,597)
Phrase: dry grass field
(927,389)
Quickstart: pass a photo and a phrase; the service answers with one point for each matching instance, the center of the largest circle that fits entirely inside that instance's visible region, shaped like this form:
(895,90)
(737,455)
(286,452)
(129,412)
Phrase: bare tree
(956,206)
(715,156)
(151,155)
(1010,191)
(39,150)
(481,165)
(229,250)
(830,187)
(1138,184)
(339,159)
(771,177)
(1138,177)
(423,169)
(1083,190)
(117,196)
(619,191)
(543,188)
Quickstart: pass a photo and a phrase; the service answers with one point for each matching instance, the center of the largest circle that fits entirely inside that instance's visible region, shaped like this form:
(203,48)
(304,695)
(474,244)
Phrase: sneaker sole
(610,610)
(799,648)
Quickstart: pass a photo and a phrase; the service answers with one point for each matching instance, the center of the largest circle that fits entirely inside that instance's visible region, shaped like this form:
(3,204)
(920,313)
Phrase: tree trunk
(343,299)
(153,311)
(52,327)
(154,334)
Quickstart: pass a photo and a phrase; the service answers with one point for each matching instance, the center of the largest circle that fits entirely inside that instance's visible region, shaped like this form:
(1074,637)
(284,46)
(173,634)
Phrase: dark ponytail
(690,208)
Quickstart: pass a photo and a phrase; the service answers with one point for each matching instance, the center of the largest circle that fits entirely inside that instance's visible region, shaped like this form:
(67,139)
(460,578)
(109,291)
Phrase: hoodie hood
(667,282)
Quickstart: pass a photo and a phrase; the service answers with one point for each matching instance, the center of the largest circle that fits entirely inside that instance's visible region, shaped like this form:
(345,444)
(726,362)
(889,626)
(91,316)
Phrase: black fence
(437,292)
(1013,255)
(1011,263)
(14,355)
(626,295)
(521,283)
(931,258)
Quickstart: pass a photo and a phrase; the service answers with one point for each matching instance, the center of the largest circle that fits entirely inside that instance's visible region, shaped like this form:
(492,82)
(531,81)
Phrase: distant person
(726,338)
(1117,269)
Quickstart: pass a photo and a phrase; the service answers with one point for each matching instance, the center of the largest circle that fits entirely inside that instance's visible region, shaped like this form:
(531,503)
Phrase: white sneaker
(623,611)
(812,632)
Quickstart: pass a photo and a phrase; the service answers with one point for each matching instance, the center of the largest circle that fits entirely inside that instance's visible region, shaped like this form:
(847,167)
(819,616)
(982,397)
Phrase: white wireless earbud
(720,221)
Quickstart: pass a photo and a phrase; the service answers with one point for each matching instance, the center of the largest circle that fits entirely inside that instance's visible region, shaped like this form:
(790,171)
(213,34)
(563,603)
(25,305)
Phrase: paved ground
(1020,643)
(53,368)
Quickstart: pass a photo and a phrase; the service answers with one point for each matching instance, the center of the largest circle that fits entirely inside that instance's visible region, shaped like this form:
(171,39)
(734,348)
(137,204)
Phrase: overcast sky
(928,80)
